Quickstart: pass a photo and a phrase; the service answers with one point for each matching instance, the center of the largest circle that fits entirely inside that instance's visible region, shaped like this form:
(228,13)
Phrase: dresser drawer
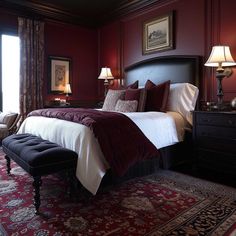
(216,132)
(216,119)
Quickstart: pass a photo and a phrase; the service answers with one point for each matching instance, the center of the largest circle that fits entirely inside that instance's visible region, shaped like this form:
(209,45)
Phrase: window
(10,73)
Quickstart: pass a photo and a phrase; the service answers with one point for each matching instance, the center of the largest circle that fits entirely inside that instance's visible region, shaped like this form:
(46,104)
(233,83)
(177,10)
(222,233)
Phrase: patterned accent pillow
(111,99)
(126,106)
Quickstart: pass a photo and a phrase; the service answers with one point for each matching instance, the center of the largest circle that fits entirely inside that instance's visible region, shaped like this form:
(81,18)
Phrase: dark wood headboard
(177,69)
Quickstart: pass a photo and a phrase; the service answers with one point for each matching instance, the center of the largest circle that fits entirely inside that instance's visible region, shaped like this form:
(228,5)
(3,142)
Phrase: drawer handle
(205,133)
(230,122)
(206,120)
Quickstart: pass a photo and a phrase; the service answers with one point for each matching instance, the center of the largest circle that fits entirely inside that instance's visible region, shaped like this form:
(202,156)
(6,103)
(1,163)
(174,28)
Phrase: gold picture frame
(158,34)
(59,74)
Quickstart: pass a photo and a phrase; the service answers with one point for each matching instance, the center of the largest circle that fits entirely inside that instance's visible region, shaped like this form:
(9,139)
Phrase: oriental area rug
(166,203)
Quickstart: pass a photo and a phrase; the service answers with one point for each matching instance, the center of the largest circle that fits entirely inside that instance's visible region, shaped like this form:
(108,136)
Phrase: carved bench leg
(37,183)
(8,164)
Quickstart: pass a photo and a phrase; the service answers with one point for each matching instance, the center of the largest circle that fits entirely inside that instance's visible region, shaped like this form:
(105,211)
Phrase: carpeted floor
(166,203)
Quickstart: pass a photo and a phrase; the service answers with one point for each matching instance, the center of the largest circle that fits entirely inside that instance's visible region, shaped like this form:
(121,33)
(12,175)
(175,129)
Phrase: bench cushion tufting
(38,156)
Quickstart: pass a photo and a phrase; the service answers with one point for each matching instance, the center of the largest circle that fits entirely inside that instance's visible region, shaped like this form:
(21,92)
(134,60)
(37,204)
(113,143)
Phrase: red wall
(185,42)
(198,25)
(109,51)
(227,36)
(80,45)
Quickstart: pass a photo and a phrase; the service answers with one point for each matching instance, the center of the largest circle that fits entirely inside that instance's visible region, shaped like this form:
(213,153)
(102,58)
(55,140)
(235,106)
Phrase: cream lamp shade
(105,74)
(220,56)
(67,89)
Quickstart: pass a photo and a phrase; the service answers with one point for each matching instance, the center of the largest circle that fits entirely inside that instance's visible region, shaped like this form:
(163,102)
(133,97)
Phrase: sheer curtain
(31,34)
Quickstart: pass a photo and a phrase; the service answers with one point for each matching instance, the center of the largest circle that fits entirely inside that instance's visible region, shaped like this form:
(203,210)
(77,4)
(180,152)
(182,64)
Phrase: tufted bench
(38,157)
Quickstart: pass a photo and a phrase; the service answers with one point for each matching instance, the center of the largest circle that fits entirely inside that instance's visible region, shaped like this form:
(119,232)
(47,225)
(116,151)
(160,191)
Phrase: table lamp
(220,57)
(67,91)
(106,75)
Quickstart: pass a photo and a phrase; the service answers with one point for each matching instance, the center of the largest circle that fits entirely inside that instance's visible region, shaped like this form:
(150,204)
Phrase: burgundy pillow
(149,84)
(157,96)
(138,95)
(132,94)
(133,85)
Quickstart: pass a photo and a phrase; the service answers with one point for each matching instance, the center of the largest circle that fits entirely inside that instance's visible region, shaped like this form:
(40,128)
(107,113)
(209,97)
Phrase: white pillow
(182,98)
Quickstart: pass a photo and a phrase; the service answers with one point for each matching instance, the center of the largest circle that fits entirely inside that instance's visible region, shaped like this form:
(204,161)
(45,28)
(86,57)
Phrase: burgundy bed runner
(120,139)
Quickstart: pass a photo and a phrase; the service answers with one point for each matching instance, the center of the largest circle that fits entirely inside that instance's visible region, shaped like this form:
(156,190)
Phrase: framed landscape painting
(59,74)
(158,34)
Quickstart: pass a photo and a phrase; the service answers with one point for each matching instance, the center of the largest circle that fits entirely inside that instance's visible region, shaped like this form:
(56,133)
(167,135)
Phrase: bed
(92,166)
(178,69)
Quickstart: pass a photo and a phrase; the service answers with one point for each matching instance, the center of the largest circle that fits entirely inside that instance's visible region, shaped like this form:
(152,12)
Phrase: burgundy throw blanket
(120,139)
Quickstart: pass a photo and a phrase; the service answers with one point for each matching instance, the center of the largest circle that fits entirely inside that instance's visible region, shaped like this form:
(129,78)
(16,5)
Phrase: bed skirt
(141,168)
(169,157)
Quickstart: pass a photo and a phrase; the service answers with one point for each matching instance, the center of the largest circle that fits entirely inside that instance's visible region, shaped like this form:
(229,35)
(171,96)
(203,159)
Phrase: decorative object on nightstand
(220,57)
(106,75)
(67,91)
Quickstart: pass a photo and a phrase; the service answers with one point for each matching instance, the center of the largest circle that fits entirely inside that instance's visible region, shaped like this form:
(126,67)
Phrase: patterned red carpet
(163,204)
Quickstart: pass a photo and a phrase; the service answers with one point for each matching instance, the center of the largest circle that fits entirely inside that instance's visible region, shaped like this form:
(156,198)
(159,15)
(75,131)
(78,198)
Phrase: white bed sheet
(160,128)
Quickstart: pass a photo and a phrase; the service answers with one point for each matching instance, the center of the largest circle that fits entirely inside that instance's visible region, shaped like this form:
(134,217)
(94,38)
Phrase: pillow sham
(133,85)
(137,94)
(111,99)
(183,99)
(126,106)
(132,94)
(157,96)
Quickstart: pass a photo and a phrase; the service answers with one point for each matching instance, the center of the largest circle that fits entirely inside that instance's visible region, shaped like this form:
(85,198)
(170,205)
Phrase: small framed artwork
(158,34)
(59,74)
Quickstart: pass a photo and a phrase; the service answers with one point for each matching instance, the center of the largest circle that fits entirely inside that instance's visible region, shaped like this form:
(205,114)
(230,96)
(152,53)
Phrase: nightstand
(58,106)
(214,135)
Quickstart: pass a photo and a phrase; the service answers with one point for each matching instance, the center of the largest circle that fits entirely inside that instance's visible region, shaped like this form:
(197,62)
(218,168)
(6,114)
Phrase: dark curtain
(31,34)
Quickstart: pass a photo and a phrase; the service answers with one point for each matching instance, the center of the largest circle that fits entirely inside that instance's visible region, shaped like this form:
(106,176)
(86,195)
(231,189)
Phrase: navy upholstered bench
(38,157)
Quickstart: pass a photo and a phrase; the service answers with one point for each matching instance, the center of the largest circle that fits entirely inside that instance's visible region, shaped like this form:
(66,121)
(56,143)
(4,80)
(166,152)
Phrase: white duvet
(160,128)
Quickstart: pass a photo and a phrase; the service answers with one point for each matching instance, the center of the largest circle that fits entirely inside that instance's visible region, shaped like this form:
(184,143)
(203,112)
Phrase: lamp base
(106,86)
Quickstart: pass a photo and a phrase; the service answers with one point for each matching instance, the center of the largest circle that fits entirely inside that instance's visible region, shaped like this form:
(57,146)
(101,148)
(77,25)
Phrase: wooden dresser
(214,136)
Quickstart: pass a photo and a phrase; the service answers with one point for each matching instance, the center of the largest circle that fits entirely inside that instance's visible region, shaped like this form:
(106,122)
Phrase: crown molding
(37,10)
(42,11)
